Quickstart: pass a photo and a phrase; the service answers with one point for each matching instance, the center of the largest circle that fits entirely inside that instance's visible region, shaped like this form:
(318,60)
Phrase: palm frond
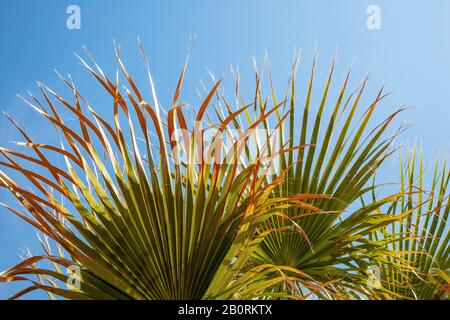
(141,218)
(341,153)
(420,267)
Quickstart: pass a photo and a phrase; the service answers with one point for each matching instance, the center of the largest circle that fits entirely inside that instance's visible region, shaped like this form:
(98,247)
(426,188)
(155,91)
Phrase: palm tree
(153,206)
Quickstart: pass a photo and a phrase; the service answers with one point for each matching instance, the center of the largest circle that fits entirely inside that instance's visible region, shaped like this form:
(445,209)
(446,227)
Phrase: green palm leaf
(341,155)
(420,267)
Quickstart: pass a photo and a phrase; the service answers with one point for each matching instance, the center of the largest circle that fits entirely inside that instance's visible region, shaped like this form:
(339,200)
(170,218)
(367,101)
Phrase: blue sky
(410,53)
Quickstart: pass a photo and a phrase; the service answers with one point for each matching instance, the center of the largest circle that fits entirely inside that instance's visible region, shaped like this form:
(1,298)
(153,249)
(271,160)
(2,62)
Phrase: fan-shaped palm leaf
(341,156)
(137,219)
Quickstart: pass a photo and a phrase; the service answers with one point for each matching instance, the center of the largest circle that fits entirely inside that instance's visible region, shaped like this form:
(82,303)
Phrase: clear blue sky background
(411,54)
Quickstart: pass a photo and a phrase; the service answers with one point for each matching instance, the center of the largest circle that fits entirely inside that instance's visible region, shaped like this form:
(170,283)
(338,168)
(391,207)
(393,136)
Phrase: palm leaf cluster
(145,208)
